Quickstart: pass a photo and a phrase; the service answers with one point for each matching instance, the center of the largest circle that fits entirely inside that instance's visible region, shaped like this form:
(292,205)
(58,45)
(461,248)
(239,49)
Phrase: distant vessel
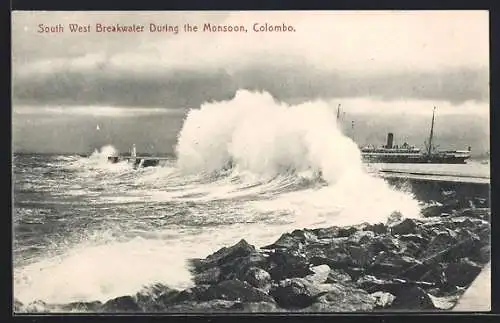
(405,153)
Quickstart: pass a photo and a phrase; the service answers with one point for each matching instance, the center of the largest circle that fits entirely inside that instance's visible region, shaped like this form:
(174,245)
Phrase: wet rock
(378,228)
(461,222)
(235,290)
(383,244)
(433,211)
(335,255)
(223,255)
(415,238)
(414,298)
(121,304)
(462,273)
(395,264)
(485,254)
(286,241)
(320,274)
(433,273)
(209,276)
(237,268)
(258,277)
(355,272)
(383,299)
(407,226)
(443,240)
(338,276)
(294,240)
(343,298)
(191,294)
(346,232)
(326,233)
(478,213)
(156,297)
(360,256)
(361,237)
(296,293)
(285,264)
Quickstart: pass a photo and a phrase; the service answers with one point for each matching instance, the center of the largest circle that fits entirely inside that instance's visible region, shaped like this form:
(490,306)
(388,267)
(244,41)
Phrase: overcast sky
(369,61)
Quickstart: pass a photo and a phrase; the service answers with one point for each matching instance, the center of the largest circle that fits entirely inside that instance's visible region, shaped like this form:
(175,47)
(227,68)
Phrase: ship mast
(432,133)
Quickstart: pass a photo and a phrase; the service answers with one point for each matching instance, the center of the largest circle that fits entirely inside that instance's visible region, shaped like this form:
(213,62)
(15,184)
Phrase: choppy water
(88,230)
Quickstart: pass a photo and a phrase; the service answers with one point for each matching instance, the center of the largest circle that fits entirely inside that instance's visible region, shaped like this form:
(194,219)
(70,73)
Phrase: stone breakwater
(403,264)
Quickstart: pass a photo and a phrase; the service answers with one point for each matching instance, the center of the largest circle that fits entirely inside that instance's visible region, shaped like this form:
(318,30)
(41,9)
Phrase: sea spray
(98,161)
(254,133)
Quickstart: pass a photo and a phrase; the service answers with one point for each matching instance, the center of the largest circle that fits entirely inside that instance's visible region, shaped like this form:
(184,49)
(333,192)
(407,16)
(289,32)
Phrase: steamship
(390,153)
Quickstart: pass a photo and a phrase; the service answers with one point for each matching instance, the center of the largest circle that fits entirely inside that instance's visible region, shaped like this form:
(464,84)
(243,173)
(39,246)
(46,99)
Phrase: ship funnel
(390,139)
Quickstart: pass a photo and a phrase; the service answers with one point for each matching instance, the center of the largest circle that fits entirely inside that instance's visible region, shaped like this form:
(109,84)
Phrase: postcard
(250,161)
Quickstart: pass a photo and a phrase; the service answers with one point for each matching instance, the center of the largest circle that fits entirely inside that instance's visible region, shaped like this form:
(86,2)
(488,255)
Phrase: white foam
(276,152)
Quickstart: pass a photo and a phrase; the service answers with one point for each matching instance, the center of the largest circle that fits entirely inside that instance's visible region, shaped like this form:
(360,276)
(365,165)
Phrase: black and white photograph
(197,162)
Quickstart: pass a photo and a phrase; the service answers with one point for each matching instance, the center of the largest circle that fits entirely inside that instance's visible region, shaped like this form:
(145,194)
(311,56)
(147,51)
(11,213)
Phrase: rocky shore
(401,265)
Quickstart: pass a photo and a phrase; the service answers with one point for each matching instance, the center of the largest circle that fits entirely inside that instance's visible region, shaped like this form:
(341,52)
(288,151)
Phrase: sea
(85,229)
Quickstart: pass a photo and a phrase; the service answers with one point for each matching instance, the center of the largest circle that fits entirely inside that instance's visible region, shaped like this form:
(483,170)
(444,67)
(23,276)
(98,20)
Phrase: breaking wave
(248,168)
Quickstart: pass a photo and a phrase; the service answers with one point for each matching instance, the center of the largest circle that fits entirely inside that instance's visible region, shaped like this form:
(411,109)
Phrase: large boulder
(435,210)
(442,241)
(294,240)
(346,232)
(238,268)
(342,298)
(235,290)
(155,298)
(210,276)
(287,264)
(377,228)
(296,293)
(392,264)
(192,294)
(223,255)
(122,304)
(414,298)
(461,273)
(407,226)
(259,278)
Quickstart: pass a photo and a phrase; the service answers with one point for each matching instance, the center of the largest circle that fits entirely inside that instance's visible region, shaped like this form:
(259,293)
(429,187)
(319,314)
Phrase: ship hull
(416,159)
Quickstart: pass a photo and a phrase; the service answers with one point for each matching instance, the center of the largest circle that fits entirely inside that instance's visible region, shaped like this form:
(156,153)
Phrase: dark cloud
(188,88)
